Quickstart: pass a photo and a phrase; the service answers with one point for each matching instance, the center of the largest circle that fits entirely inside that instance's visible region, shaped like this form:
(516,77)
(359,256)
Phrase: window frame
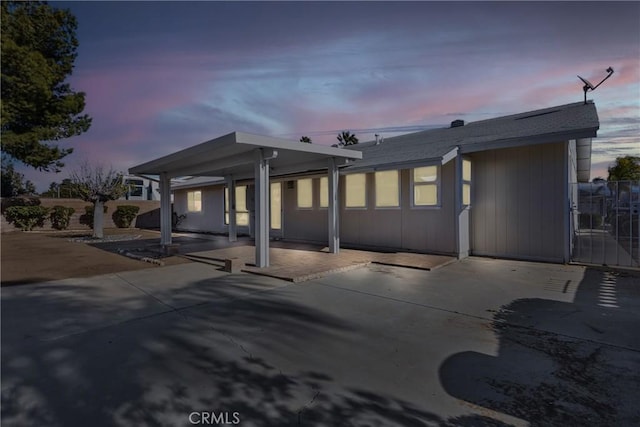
(194,211)
(398,190)
(226,215)
(468,182)
(304,208)
(320,206)
(437,183)
(366,197)
(271,210)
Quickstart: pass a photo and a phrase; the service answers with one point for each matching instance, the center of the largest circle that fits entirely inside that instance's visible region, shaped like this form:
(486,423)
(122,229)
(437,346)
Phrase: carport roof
(233,154)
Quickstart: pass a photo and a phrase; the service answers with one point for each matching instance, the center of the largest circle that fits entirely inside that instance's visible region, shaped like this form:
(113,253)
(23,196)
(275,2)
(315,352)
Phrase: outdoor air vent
(291,185)
(457,123)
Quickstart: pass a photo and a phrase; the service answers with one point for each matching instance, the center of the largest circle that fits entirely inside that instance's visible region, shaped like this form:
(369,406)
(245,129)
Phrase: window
(324,192)
(425,186)
(356,190)
(276,204)
(305,193)
(242,214)
(135,187)
(466,182)
(387,189)
(194,201)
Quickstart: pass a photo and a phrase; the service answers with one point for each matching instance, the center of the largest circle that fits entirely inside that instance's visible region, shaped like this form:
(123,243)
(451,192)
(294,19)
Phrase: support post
(334,207)
(461,213)
(165,209)
(231,188)
(262,209)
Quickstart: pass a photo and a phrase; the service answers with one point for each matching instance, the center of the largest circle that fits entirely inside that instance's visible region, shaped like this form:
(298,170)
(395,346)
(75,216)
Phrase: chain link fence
(604,223)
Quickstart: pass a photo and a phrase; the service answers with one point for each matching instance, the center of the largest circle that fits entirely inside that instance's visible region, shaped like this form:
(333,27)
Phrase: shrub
(87,217)
(60,217)
(124,215)
(26,217)
(587,220)
(19,201)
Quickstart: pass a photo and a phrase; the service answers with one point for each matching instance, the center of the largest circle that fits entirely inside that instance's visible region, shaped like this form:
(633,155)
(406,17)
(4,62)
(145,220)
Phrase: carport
(238,156)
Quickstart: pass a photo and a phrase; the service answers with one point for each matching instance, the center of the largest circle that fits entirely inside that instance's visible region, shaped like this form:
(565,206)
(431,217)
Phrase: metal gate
(604,223)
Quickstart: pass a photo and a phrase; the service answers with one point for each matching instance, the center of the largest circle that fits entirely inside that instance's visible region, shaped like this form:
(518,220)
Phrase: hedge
(26,217)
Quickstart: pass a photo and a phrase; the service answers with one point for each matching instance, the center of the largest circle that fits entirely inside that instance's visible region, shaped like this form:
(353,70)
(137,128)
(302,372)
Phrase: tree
(97,185)
(13,183)
(306,140)
(38,46)
(64,190)
(347,138)
(625,168)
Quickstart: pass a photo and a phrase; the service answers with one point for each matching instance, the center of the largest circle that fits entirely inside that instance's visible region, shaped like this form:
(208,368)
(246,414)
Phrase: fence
(604,223)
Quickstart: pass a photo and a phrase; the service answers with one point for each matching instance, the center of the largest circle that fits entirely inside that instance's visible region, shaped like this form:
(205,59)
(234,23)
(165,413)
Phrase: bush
(26,217)
(124,215)
(87,217)
(19,201)
(590,220)
(60,217)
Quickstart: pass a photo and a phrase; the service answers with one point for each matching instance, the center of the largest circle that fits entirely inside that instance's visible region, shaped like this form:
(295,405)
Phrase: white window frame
(304,208)
(227,210)
(398,190)
(437,183)
(320,205)
(467,181)
(271,207)
(366,198)
(190,207)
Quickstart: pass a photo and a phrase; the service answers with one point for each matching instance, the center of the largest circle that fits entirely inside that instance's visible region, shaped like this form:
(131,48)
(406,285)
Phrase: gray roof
(561,123)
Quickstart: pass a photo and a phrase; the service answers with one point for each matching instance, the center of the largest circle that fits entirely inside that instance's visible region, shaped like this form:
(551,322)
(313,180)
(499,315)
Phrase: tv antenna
(589,86)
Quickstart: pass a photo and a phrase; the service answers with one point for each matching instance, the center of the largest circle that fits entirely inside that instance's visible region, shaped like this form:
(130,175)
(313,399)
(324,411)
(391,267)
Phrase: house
(496,187)
(141,188)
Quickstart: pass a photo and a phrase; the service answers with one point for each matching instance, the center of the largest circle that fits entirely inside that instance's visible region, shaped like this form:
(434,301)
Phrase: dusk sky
(162,76)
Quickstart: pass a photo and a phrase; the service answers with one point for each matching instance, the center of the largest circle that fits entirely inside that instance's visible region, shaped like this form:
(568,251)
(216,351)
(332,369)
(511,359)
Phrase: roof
(233,154)
(561,123)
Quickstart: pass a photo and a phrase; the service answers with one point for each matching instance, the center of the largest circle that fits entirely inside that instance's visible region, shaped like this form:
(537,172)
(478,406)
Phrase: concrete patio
(477,342)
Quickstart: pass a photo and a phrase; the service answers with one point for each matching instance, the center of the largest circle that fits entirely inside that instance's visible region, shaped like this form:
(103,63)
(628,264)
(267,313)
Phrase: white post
(461,213)
(231,188)
(165,209)
(262,209)
(334,207)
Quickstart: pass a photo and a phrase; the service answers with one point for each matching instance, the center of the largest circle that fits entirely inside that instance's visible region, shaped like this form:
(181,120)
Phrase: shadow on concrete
(560,363)
(138,362)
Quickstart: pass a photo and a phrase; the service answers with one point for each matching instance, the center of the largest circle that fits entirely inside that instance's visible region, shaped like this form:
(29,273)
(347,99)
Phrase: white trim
(437,183)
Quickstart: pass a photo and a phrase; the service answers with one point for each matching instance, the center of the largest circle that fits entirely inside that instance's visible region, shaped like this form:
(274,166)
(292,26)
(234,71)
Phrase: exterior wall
(210,218)
(418,229)
(303,224)
(518,202)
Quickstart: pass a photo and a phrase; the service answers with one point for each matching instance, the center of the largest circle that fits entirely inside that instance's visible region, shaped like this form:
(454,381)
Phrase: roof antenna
(588,86)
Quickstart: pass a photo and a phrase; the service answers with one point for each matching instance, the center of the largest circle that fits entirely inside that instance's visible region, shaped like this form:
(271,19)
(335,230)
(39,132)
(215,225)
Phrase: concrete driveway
(478,342)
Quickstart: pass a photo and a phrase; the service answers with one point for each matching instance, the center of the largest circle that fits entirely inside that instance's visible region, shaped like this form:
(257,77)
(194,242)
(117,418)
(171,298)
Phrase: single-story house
(496,187)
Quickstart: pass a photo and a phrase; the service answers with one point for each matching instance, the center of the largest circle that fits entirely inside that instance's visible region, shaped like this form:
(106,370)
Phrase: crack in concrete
(306,405)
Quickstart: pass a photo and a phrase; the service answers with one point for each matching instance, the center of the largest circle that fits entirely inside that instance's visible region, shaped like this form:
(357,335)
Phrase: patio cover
(241,156)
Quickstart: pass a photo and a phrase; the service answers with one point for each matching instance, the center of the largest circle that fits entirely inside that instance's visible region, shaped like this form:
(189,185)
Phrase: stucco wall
(517,202)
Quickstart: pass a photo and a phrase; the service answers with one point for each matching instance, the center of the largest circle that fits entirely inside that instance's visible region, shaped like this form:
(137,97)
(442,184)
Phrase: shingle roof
(571,121)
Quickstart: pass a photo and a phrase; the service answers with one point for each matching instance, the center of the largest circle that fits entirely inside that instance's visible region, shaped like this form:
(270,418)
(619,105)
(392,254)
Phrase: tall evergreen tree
(38,50)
